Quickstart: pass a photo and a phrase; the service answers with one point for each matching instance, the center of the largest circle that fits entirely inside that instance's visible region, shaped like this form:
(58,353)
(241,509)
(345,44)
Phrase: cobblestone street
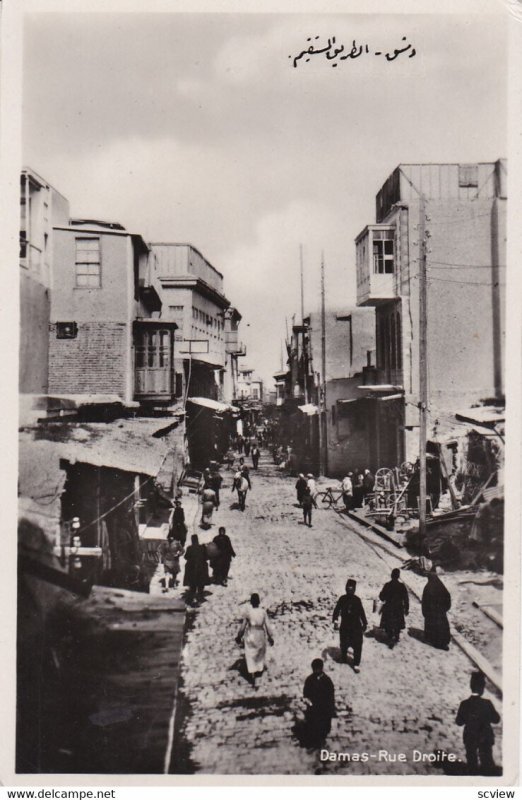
(403,699)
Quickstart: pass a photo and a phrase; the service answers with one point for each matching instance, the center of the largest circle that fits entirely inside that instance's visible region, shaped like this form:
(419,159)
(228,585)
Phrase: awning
(136,446)
(378,388)
(214,405)
(309,409)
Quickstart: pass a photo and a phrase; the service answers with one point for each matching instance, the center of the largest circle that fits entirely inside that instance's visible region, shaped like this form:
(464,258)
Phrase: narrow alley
(403,700)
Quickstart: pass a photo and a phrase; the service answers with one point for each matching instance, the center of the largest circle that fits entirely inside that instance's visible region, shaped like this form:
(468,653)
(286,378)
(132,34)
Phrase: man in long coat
(221,562)
(319,695)
(436,602)
(396,606)
(196,568)
(353,623)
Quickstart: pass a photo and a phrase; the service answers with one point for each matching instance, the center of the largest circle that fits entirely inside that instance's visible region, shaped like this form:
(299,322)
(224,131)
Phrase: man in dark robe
(225,554)
(396,606)
(368,483)
(300,487)
(255,456)
(353,623)
(436,602)
(477,715)
(319,695)
(215,481)
(196,568)
(178,528)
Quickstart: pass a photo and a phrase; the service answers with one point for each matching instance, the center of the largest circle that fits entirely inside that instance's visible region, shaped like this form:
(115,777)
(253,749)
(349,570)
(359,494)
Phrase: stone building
(465,220)
(41,207)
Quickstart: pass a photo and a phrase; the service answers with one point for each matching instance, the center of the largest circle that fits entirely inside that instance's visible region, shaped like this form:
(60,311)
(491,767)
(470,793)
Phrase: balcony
(232,344)
(376,265)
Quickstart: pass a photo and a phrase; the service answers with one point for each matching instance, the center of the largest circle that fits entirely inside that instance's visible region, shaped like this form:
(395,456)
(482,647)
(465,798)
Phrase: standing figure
(312,488)
(225,554)
(247,446)
(170,551)
(209,502)
(353,623)
(307,504)
(436,602)
(368,484)
(246,472)
(300,487)
(347,488)
(319,695)
(477,715)
(358,489)
(196,567)
(396,606)
(178,528)
(215,482)
(239,444)
(255,456)
(241,486)
(255,631)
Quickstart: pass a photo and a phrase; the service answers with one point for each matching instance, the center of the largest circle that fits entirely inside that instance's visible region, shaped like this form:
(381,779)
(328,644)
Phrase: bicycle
(331,496)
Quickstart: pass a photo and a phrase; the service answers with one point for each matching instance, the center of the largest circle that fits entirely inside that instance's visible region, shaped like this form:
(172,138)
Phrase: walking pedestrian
(347,489)
(300,487)
(353,623)
(436,602)
(241,486)
(396,606)
(196,568)
(477,715)
(215,481)
(208,501)
(170,552)
(255,631)
(319,696)
(225,554)
(239,444)
(307,504)
(178,528)
(247,446)
(245,471)
(312,488)
(255,456)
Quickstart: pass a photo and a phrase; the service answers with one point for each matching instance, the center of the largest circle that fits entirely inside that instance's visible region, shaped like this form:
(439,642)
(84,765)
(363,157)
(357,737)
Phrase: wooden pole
(423,367)
(322,405)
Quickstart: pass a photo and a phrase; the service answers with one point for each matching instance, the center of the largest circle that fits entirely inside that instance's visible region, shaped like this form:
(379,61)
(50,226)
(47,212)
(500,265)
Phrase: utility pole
(423,366)
(322,388)
(305,352)
(302,282)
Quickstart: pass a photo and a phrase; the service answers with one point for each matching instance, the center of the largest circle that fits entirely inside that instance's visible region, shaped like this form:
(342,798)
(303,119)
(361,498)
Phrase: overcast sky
(197,128)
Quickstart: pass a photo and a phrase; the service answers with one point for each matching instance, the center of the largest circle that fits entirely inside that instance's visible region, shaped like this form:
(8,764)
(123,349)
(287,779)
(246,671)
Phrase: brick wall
(92,363)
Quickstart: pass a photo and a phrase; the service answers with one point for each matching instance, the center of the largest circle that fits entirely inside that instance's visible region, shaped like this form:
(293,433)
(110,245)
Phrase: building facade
(192,295)
(107,335)
(464,214)
(41,207)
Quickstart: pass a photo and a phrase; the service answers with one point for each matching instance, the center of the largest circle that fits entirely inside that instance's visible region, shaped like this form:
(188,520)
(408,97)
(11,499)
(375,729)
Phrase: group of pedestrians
(306,490)
(356,487)
(475,714)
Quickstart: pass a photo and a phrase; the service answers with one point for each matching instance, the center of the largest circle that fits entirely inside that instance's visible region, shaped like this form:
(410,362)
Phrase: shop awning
(213,405)
(309,409)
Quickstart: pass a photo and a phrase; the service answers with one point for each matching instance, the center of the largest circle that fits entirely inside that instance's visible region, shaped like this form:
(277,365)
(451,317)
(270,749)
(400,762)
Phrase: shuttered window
(88,263)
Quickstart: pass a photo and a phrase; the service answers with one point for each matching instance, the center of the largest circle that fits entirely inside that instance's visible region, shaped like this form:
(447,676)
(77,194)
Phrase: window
(255,393)
(66,330)
(88,266)
(383,252)
(468,175)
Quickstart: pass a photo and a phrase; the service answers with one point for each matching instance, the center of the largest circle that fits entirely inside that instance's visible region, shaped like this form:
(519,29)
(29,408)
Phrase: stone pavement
(403,699)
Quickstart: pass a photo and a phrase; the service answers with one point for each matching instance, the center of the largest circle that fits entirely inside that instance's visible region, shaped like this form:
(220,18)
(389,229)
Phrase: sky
(198,128)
